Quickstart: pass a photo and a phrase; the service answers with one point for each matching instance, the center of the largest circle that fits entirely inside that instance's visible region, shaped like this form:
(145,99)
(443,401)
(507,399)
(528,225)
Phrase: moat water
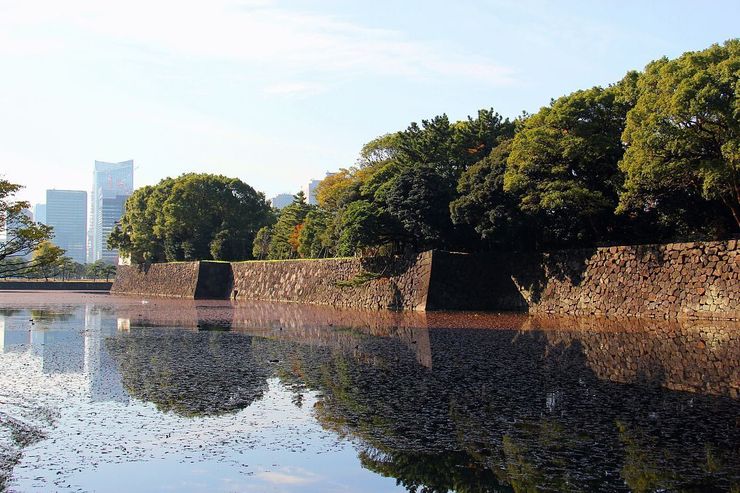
(99,393)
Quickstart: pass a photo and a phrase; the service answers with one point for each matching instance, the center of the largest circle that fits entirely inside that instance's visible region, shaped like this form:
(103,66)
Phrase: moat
(106,393)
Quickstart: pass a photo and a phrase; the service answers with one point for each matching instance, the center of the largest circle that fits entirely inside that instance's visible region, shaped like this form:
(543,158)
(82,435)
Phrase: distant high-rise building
(281,200)
(66,212)
(39,213)
(113,183)
(310,190)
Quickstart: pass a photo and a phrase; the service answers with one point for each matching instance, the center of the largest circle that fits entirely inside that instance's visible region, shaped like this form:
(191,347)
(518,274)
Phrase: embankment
(681,280)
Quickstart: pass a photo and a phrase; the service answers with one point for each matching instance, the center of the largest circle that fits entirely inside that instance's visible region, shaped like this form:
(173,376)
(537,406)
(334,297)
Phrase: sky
(278,92)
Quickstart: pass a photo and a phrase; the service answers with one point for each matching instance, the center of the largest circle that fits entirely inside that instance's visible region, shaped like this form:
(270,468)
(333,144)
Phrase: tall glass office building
(66,212)
(113,183)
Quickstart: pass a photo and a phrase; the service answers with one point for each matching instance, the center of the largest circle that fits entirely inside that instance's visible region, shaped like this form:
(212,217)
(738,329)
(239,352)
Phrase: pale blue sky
(277,92)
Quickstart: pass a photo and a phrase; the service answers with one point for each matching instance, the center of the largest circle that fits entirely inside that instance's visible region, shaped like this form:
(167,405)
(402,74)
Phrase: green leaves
(684,131)
(22,236)
(192,217)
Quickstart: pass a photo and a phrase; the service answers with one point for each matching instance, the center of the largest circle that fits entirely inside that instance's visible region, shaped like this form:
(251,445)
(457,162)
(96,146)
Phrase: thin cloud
(259,33)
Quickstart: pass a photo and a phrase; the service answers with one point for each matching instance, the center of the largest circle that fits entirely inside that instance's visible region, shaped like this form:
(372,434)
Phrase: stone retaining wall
(172,280)
(682,280)
(371,283)
(679,280)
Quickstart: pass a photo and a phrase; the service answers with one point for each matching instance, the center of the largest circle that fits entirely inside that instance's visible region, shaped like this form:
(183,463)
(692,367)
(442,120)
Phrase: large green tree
(684,132)
(486,206)
(416,199)
(192,217)
(563,164)
(285,233)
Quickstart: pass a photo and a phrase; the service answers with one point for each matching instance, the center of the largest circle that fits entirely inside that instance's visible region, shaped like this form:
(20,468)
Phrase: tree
(66,267)
(100,269)
(360,226)
(684,131)
(47,259)
(485,205)
(22,235)
(261,245)
(192,217)
(418,200)
(109,270)
(284,236)
(312,240)
(563,165)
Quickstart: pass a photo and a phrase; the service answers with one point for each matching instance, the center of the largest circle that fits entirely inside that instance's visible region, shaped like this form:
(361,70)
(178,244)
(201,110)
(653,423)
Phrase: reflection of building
(12,340)
(66,211)
(60,350)
(113,183)
(281,200)
(104,381)
(59,347)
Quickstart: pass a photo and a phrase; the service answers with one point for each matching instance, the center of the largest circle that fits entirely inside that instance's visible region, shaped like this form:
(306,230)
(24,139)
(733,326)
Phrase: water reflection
(193,373)
(436,402)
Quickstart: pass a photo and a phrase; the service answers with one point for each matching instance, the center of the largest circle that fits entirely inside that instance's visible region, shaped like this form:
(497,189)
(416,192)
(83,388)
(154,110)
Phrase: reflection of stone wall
(692,355)
(55,285)
(370,283)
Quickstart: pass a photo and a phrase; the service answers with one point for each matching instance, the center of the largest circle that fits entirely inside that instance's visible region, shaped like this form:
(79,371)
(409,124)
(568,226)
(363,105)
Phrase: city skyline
(112,184)
(276,92)
(66,212)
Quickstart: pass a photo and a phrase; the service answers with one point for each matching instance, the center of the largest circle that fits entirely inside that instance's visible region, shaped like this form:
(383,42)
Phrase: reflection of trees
(506,409)
(48,316)
(190,373)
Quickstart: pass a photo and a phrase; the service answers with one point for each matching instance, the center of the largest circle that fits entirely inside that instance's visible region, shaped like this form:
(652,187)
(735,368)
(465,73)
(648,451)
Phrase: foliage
(361,225)
(485,205)
(100,269)
(192,217)
(563,164)
(312,240)
(47,260)
(261,245)
(415,199)
(684,131)
(22,235)
(283,244)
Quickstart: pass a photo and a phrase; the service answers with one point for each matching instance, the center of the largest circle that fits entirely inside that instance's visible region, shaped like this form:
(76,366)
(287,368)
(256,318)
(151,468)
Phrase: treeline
(654,157)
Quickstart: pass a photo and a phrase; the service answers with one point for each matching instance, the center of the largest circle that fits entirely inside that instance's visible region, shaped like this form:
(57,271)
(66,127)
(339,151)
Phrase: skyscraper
(66,212)
(113,183)
(281,200)
(39,213)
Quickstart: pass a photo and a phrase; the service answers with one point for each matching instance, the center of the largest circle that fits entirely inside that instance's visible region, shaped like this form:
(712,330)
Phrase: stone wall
(173,280)
(684,280)
(400,283)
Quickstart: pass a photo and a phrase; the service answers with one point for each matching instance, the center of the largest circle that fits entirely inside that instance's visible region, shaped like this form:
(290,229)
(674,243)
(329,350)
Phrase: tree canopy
(192,217)
(23,236)
(684,132)
(653,157)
